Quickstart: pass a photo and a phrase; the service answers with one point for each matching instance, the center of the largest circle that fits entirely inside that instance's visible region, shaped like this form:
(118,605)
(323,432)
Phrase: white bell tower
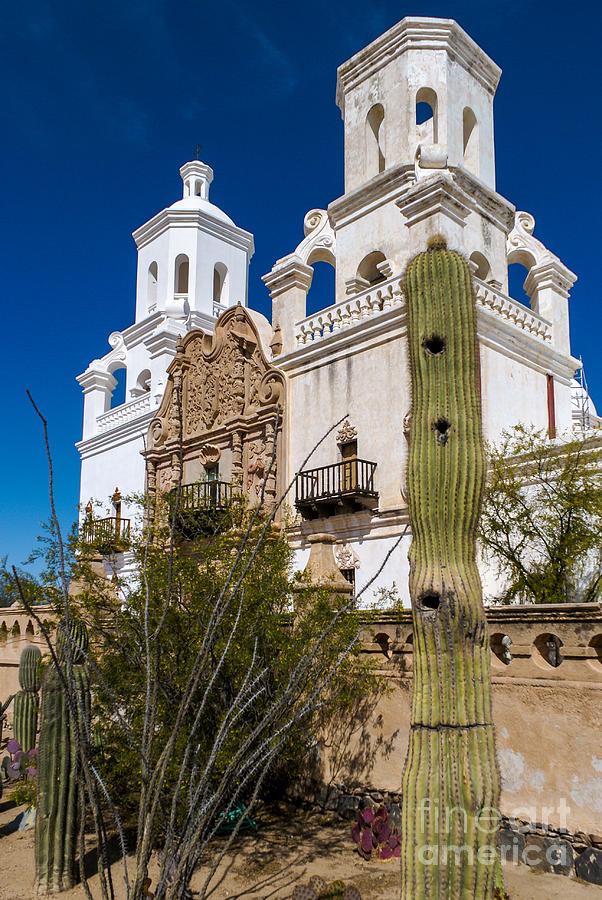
(193,263)
(191,255)
(417,105)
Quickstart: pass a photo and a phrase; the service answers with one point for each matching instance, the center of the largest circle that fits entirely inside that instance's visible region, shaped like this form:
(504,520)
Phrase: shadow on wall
(353,741)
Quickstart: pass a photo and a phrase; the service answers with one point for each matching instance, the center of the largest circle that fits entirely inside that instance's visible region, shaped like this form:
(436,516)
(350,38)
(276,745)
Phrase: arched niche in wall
(221,284)
(368,270)
(470,132)
(375,145)
(482,269)
(426,116)
(181,274)
(143,384)
(152,280)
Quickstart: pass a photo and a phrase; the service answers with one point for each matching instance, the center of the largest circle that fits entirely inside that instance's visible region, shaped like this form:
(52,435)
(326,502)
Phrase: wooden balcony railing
(108,535)
(348,484)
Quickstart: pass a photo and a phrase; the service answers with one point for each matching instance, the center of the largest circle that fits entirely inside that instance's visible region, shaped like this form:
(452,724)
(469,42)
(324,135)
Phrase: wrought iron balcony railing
(347,484)
(204,495)
(110,534)
(204,508)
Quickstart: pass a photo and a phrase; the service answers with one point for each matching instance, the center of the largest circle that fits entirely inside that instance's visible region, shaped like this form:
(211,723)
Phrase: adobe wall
(17,630)
(547,717)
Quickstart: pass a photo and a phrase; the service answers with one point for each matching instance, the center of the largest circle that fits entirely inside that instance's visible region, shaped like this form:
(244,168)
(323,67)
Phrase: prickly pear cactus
(451,779)
(58,797)
(25,709)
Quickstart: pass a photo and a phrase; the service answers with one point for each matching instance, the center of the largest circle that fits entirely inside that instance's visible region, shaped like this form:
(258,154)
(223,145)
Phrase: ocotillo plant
(26,704)
(58,782)
(451,778)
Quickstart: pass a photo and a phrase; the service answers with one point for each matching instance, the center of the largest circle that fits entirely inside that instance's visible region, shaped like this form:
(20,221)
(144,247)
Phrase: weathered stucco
(547,718)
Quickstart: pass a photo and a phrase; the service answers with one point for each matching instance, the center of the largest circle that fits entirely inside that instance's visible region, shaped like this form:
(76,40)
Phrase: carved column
(270,485)
(237,457)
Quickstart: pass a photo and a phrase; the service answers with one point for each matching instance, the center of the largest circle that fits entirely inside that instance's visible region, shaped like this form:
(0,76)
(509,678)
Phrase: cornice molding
(289,272)
(417,33)
(195,218)
(114,437)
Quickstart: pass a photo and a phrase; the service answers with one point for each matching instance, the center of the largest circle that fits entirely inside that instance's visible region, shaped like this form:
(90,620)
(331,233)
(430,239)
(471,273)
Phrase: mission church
(322,402)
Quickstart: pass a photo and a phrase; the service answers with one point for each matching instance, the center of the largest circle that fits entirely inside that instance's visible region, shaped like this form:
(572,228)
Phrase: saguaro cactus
(58,793)
(25,709)
(451,778)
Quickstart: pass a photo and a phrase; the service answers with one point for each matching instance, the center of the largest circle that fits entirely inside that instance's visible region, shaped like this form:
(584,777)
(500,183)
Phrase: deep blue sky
(103,102)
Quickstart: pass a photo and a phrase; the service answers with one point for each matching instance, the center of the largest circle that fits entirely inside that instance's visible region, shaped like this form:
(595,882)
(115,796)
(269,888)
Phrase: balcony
(110,535)
(203,508)
(342,487)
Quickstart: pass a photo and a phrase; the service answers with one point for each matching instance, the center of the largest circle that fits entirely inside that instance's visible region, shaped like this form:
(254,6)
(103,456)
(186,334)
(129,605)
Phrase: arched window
(29,630)
(470,128)
(152,278)
(368,268)
(322,290)
(426,116)
(181,273)
(483,269)
(119,373)
(375,151)
(198,187)
(220,284)
(3,633)
(517,274)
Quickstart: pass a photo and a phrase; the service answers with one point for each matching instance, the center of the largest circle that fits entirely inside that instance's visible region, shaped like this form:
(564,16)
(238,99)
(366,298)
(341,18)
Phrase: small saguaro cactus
(451,778)
(58,792)
(25,709)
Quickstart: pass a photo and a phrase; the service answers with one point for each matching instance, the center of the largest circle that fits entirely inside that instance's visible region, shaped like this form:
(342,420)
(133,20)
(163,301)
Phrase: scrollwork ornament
(346,557)
(347,433)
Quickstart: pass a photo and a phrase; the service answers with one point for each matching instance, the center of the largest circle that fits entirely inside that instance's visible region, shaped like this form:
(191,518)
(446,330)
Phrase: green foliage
(542,517)
(9,593)
(24,793)
(273,619)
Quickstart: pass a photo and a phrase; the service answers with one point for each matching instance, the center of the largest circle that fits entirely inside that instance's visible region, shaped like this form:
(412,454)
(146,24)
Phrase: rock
(596,840)
(511,845)
(548,854)
(581,838)
(588,865)
(347,807)
(395,816)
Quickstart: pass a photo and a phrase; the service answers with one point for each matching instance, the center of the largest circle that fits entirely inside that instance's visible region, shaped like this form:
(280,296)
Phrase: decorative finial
(197,153)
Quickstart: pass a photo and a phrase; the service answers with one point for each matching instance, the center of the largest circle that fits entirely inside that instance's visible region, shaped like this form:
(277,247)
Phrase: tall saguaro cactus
(58,783)
(451,778)
(25,709)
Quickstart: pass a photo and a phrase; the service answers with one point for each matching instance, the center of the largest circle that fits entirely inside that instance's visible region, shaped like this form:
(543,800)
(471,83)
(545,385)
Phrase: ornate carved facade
(226,401)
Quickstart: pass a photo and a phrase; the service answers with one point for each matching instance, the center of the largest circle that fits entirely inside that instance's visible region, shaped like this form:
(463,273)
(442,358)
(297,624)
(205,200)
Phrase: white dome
(203,206)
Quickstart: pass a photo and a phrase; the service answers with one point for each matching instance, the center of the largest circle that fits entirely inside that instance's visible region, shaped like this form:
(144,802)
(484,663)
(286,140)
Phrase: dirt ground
(266,865)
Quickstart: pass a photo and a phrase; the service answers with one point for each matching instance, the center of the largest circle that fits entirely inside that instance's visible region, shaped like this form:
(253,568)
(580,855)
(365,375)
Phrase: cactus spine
(58,766)
(451,778)
(26,704)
